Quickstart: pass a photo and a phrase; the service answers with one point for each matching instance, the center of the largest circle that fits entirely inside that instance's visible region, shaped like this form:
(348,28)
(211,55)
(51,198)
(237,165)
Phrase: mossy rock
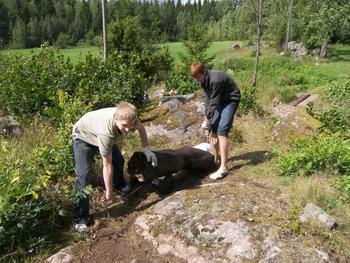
(152,112)
(296,124)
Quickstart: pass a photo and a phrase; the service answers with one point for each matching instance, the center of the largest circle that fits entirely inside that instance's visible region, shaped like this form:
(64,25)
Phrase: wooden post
(288,25)
(104,29)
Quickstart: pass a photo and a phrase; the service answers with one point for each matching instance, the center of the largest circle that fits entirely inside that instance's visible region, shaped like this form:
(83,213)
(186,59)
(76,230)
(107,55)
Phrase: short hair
(197,68)
(126,111)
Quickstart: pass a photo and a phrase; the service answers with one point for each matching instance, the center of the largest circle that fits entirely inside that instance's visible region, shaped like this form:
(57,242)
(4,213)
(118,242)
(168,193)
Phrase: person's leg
(214,146)
(118,168)
(223,142)
(223,129)
(83,156)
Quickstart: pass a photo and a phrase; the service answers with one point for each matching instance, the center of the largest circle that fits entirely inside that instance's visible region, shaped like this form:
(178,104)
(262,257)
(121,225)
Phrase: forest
(26,24)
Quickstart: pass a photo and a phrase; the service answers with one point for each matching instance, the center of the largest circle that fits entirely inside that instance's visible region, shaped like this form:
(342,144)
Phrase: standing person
(222,97)
(97,131)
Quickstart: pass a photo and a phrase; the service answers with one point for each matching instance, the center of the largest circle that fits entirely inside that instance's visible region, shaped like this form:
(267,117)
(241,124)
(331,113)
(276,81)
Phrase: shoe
(124,189)
(219,174)
(81,226)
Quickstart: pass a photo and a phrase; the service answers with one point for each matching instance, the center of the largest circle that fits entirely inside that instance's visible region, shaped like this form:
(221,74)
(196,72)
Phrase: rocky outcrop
(293,123)
(224,223)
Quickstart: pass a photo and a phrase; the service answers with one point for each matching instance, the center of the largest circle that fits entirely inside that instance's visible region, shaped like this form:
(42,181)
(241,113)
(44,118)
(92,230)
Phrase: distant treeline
(29,23)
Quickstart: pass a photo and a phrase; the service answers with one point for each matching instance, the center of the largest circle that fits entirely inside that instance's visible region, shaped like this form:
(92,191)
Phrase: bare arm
(142,132)
(108,175)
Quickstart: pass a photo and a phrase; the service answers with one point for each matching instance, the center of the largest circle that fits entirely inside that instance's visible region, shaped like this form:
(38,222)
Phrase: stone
(65,255)
(312,213)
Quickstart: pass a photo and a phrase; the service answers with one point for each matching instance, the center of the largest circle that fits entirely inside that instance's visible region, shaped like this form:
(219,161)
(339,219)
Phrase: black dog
(169,162)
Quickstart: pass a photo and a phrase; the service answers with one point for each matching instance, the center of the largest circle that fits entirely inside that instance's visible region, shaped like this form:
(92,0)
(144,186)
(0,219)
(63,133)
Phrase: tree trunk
(258,40)
(288,25)
(104,29)
(323,51)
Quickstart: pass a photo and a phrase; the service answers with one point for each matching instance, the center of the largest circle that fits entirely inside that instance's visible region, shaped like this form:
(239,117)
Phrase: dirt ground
(112,238)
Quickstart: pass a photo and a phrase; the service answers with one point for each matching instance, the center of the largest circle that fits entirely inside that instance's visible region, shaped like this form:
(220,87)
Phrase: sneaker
(219,174)
(82,224)
(125,189)
(81,227)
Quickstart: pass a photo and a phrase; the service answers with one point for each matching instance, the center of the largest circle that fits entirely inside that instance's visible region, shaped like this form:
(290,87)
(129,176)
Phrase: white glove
(151,157)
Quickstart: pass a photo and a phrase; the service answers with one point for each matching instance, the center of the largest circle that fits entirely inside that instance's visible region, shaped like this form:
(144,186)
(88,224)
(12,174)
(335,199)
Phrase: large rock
(293,124)
(65,255)
(314,214)
(227,222)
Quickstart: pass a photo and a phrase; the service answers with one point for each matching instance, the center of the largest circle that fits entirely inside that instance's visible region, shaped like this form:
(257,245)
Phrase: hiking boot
(219,174)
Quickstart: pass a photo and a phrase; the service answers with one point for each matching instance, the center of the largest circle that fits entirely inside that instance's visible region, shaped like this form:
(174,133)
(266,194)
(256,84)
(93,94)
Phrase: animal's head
(139,167)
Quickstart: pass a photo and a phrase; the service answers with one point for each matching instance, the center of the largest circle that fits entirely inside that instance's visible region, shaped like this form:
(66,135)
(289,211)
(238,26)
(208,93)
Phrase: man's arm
(216,90)
(108,175)
(151,157)
(142,132)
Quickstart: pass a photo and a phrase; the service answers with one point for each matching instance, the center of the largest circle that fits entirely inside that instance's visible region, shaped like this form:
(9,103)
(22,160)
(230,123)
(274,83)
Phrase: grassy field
(73,53)
(336,65)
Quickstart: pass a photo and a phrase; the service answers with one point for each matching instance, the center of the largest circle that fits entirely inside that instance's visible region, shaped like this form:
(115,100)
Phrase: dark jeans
(83,156)
(221,122)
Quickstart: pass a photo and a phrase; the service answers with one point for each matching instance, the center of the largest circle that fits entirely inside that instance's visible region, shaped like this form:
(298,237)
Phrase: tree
(288,25)
(4,25)
(19,35)
(258,12)
(197,44)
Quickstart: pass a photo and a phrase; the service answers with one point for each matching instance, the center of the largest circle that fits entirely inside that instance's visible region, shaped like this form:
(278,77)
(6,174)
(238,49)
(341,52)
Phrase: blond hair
(126,111)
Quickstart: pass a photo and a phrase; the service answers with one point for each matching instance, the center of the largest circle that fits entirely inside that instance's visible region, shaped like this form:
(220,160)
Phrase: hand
(205,125)
(151,157)
(109,195)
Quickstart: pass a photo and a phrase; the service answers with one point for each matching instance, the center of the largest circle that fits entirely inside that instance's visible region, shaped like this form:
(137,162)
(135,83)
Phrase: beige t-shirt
(98,128)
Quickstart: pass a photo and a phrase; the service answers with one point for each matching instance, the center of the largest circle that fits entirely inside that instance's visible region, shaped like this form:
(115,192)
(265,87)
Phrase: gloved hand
(151,157)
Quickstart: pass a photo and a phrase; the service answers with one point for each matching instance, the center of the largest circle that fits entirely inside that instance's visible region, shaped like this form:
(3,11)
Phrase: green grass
(73,53)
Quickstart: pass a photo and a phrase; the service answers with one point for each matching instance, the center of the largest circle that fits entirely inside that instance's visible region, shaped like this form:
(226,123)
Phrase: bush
(248,102)
(31,185)
(316,153)
(63,41)
(181,81)
(28,84)
(339,90)
(237,64)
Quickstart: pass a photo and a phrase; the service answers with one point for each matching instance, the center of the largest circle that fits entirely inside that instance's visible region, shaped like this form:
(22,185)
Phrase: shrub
(30,200)
(28,84)
(237,64)
(316,153)
(181,81)
(63,40)
(248,102)
(339,90)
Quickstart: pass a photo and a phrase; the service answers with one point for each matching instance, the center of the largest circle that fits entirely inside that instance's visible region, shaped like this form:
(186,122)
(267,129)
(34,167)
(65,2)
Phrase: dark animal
(169,162)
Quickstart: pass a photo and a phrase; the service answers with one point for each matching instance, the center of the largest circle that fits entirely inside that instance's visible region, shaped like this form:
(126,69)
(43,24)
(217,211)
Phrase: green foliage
(237,64)
(28,83)
(181,81)
(343,184)
(63,41)
(316,153)
(339,91)
(32,185)
(197,45)
(248,102)
(30,87)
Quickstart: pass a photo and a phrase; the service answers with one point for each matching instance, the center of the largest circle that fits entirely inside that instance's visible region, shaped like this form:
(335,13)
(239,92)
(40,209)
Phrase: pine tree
(197,45)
